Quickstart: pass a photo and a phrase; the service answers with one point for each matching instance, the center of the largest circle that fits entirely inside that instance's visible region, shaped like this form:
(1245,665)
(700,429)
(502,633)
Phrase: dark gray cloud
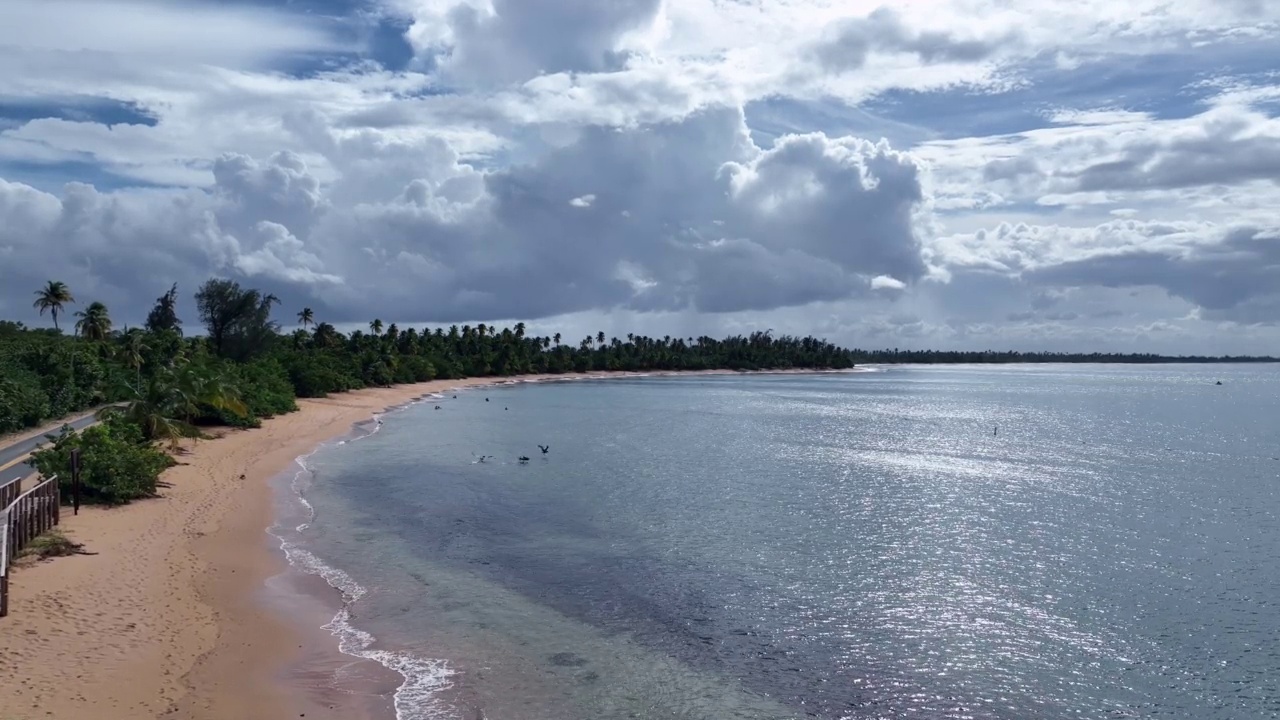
(852,41)
(1236,278)
(1011,168)
(1225,155)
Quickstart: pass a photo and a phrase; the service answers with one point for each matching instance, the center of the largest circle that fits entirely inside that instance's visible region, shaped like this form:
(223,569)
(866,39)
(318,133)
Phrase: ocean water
(1002,542)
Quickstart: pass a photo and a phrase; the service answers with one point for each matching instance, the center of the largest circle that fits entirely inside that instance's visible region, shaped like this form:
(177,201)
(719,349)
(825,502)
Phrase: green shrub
(117,464)
(23,403)
(316,373)
(412,369)
(263,387)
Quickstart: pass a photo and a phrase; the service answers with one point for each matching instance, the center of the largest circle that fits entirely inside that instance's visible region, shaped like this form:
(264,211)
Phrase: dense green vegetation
(154,385)
(117,464)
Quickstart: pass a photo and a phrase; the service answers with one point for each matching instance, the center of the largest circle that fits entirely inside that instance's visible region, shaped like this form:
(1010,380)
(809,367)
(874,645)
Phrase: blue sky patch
(1168,86)
(777,116)
(51,177)
(381,39)
(18,111)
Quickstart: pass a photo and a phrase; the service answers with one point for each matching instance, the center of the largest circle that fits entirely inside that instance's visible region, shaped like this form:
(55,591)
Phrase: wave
(417,698)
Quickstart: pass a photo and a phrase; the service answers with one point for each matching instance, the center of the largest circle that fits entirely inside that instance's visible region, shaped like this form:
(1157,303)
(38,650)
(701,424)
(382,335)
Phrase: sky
(959,174)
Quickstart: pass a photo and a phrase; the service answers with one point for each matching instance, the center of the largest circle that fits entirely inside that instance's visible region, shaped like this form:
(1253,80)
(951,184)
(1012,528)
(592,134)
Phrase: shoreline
(173,617)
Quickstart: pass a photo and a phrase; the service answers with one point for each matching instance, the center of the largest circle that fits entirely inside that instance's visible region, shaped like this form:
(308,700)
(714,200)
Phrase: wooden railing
(10,492)
(26,517)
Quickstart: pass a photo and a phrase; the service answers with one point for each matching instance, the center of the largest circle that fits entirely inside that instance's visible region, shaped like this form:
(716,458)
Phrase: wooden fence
(10,492)
(27,516)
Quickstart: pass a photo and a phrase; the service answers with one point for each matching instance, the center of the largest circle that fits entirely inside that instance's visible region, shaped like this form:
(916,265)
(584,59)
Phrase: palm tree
(53,297)
(94,322)
(325,335)
(600,338)
(166,405)
(306,317)
(132,351)
(376,326)
(557,339)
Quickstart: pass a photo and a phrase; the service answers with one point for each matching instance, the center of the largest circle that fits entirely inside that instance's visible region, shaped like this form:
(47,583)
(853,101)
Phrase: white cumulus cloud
(932,172)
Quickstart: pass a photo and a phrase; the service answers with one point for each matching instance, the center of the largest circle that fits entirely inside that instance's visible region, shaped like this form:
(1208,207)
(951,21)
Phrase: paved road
(22,448)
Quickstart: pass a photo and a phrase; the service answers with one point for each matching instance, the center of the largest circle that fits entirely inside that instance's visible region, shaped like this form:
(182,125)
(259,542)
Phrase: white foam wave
(424,678)
(417,698)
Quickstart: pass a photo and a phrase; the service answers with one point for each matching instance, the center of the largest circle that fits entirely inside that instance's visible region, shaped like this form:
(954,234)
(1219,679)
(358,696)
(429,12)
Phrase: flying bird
(544,448)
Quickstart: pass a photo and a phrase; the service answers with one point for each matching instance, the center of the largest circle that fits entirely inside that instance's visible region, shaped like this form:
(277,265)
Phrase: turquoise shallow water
(832,546)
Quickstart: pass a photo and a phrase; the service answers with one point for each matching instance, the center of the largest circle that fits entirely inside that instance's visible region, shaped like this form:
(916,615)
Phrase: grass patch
(50,545)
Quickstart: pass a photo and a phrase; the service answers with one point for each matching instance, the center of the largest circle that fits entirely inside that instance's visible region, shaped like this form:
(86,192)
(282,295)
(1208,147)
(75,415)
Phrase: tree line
(157,384)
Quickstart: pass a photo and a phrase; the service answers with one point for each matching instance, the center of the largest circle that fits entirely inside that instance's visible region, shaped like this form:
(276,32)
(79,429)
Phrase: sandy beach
(163,621)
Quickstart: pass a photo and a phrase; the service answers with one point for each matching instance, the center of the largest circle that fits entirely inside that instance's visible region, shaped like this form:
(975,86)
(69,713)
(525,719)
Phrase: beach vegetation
(117,462)
(164,315)
(238,320)
(50,545)
(169,404)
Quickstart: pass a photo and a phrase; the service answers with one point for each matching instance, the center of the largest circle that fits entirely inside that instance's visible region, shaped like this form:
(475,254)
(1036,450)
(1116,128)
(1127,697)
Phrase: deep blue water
(830,546)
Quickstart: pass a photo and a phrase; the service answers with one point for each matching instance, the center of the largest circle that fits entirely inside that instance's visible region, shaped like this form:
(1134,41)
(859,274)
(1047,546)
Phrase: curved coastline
(171,618)
(422,680)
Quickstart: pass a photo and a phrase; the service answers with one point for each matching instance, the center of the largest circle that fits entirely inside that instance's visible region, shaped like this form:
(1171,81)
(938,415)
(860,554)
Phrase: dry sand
(167,619)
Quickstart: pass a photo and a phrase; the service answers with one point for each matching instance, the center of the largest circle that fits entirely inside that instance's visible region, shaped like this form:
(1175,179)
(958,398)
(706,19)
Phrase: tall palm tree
(376,326)
(600,338)
(556,338)
(94,322)
(133,347)
(52,297)
(306,317)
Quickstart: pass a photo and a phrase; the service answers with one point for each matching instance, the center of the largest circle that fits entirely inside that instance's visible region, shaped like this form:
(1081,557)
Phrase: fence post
(75,481)
(4,562)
